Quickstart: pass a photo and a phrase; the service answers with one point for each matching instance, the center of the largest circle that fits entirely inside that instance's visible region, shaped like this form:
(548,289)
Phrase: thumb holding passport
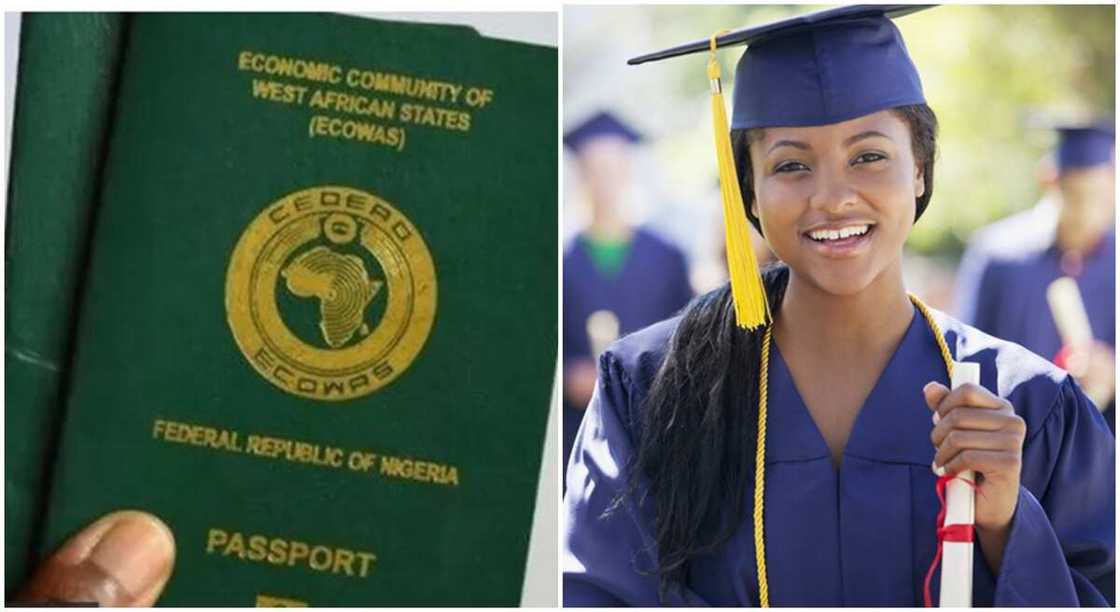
(122,559)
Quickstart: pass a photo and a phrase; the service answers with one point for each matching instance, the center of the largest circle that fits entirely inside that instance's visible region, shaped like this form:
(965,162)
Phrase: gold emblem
(331,293)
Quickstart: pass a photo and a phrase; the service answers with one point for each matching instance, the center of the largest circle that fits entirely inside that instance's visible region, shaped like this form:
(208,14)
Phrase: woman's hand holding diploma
(979,431)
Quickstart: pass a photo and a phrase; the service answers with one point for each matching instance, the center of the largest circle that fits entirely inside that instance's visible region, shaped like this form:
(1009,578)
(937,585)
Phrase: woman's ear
(919,181)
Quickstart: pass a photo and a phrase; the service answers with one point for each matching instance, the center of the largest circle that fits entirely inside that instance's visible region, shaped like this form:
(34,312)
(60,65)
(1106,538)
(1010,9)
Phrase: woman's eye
(790,166)
(866,158)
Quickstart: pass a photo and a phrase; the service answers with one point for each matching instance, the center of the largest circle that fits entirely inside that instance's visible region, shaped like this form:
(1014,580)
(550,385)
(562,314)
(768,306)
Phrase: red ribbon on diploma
(950,533)
(1061,358)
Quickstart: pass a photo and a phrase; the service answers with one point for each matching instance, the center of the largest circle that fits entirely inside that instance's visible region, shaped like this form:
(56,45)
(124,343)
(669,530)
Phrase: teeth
(844,232)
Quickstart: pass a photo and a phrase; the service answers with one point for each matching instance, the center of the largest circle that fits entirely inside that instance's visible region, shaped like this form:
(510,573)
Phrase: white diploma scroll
(960,509)
(1069,312)
(1072,321)
(602,330)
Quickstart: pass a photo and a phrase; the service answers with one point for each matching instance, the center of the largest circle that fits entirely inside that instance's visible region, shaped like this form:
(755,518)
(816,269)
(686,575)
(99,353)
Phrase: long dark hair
(695,440)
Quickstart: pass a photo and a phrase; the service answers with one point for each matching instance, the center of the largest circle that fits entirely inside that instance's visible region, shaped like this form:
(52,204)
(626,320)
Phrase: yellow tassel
(752,310)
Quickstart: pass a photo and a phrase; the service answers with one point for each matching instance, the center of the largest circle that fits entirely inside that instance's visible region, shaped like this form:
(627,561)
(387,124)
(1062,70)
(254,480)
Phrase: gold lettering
(264,358)
(333,386)
(216,538)
(258,548)
(359,381)
(196,435)
(367,559)
(289,67)
(278,92)
(382,369)
(351,104)
(434,117)
(273,214)
(420,471)
(299,451)
(325,559)
(345,559)
(277,551)
(334,456)
(303,203)
(297,552)
(236,545)
(292,553)
(401,230)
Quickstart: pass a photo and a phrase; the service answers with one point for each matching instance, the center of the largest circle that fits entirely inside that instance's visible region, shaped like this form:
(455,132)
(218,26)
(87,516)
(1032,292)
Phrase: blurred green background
(986,70)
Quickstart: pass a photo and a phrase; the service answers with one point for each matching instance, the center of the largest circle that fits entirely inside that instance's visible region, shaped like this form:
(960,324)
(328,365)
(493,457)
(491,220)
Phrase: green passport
(318,332)
(52,187)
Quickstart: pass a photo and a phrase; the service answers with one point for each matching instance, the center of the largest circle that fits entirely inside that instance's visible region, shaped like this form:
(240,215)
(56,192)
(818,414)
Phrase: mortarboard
(600,124)
(814,69)
(1085,146)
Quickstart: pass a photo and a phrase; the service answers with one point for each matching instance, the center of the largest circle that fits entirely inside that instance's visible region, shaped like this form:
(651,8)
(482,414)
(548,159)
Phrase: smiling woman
(789,453)
(866,180)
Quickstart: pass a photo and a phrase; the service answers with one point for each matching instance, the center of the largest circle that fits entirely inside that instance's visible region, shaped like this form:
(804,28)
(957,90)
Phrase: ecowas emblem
(331,293)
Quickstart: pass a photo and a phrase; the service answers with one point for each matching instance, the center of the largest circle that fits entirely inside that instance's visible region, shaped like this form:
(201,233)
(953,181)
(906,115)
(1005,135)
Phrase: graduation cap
(1085,146)
(600,124)
(813,69)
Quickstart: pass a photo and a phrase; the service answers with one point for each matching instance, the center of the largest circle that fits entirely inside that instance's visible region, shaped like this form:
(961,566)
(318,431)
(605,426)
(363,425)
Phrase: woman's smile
(841,239)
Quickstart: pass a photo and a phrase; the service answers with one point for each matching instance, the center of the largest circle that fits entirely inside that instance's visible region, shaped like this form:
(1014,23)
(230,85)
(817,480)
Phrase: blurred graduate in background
(1026,231)
(1015,298)
(617,278)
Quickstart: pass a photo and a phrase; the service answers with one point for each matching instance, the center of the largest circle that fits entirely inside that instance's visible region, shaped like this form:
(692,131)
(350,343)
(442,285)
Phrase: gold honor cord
(760,452)
(760,471)
(751,308)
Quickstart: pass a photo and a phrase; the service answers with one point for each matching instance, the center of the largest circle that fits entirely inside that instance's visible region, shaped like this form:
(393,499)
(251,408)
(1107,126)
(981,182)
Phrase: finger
(981,419)
(986,462)
(960,440)
(934,392)
(123,559)
(972,396)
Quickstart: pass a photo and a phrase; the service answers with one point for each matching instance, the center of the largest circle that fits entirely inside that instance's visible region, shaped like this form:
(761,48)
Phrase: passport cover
(54,176)
(318,334)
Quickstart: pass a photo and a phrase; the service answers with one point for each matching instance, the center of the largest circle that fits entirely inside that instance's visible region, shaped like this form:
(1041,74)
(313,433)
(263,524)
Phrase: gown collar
(893,424)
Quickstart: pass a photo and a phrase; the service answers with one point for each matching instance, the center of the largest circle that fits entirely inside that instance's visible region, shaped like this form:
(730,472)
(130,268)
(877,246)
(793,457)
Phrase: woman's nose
(833,191)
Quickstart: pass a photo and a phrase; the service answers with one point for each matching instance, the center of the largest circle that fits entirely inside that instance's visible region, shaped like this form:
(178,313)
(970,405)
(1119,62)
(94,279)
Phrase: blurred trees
(995,67)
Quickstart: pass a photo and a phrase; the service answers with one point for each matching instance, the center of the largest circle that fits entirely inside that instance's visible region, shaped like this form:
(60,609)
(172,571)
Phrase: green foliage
(986,70)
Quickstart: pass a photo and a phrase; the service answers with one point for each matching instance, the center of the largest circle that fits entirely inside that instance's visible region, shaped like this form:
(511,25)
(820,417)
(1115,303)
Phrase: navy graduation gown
(651,285)
(864,534)
(1024,232)
(1011,299)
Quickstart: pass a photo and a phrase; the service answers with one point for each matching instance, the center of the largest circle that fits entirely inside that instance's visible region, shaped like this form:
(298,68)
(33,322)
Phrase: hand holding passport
(122,559)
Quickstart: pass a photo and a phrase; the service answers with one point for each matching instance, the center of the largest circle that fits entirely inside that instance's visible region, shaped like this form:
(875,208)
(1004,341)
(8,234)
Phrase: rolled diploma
(1068,309)
(1072,321)
(960,509)
(602,330)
